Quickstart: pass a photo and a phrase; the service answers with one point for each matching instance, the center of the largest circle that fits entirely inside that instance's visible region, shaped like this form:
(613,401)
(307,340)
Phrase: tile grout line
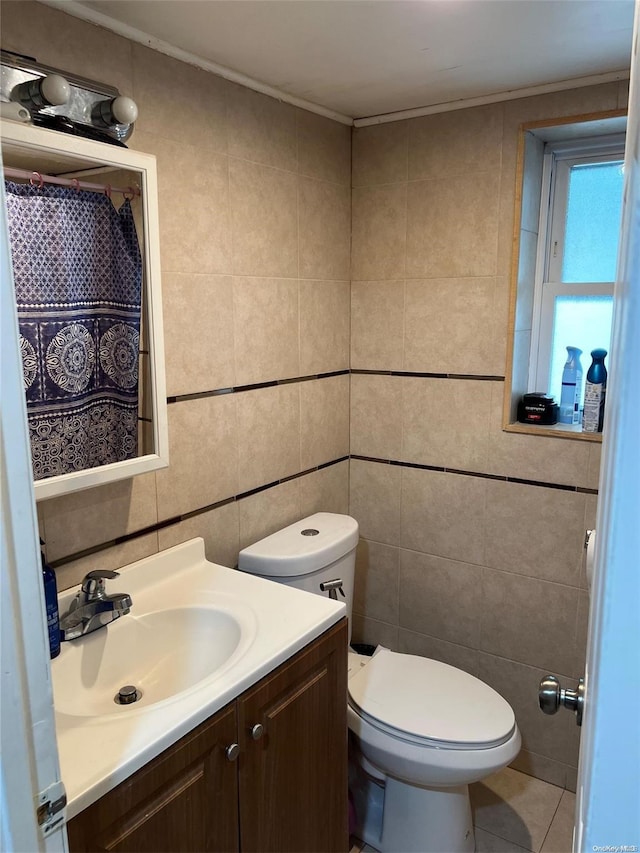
(502,838)
(481,652)
(546,835)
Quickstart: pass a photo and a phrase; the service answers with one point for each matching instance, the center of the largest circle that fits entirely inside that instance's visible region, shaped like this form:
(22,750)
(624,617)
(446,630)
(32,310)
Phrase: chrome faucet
(92,608)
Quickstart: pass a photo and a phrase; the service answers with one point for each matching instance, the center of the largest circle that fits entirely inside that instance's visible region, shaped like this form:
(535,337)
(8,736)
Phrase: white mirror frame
(102,154)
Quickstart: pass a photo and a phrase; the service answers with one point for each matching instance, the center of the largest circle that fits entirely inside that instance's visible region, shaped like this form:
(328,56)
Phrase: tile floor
(515,813)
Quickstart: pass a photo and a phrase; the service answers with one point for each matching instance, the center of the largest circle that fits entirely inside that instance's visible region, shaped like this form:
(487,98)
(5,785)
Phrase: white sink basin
(162,654)
(197,636)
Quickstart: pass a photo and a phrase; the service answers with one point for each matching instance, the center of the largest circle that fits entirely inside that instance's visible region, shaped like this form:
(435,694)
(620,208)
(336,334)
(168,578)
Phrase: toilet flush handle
(332,588)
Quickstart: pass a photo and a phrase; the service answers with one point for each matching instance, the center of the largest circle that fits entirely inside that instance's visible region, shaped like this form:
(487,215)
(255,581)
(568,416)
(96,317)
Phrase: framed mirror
(569,189)
(83,230)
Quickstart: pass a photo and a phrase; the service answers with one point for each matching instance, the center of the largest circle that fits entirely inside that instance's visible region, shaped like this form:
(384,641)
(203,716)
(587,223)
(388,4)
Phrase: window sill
(555,431)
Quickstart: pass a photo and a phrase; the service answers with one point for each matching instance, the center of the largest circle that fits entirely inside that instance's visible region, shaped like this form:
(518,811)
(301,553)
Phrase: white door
(608,803)
(30,772)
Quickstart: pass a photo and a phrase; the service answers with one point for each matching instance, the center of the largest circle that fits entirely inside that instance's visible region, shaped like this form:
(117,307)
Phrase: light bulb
(50,91)
(55,90)
(120,110)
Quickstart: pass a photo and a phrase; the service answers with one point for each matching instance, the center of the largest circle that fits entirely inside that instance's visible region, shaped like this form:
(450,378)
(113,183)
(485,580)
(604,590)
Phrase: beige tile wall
(482,573)
(255,203)
(255,207)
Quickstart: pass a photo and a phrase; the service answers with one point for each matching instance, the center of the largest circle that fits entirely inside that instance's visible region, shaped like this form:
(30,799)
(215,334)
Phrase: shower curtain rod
(36,179)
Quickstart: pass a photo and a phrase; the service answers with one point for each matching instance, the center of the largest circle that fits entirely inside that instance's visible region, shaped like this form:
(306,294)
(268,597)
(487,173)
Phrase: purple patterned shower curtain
(78,280)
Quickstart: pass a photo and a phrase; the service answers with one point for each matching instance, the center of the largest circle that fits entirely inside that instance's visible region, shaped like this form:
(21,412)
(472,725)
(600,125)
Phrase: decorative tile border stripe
(201,510)
(103,546)
(421,375)
(539,483)
(238,389)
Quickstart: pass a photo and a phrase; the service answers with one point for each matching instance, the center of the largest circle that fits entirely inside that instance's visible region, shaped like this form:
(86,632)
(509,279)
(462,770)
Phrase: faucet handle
(93,582)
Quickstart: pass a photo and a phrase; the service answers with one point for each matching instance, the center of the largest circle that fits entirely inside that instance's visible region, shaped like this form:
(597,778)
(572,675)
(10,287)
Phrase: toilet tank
(308,553)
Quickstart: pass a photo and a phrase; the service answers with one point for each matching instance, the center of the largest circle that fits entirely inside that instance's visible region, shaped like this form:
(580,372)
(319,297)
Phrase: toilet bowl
(431,729)
(420,730)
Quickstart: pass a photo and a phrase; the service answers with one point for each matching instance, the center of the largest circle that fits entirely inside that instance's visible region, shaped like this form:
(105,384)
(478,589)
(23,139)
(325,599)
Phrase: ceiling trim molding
(86,13)
(71,7)
(510,95)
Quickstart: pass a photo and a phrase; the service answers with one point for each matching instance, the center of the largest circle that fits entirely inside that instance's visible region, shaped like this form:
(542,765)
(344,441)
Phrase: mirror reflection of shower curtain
(78,280)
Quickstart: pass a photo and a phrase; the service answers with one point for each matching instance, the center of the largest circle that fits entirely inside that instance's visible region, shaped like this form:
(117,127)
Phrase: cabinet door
(185,800)
(293,779)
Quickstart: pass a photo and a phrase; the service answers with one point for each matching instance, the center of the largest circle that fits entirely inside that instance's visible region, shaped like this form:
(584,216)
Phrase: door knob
(257,731)
(551,696)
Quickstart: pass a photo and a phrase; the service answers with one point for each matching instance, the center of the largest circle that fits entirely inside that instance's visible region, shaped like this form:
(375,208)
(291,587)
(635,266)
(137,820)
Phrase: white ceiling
(363,58)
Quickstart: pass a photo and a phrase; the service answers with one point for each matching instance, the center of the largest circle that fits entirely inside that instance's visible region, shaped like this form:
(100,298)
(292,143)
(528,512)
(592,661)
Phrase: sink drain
(127,695)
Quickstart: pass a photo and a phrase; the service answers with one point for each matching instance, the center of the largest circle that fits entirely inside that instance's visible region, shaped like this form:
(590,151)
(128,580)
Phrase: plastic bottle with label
(51,602)
(571,388)
(595,390)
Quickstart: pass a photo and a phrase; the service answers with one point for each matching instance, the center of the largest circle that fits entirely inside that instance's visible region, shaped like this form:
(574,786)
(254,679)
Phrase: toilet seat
(429,704)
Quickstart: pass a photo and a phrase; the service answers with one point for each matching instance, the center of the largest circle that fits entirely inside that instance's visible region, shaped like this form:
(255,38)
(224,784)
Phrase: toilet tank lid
(298,549)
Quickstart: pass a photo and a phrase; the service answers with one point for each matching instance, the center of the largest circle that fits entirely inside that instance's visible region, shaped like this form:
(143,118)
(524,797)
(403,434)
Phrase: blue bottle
(51,602)
(595,390)
(571,388)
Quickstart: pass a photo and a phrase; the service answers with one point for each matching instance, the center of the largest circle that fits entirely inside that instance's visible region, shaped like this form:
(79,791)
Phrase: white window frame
(559,157)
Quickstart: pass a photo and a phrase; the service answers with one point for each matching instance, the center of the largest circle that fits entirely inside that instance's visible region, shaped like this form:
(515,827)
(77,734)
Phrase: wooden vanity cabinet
(293,777)
(286,792)
(185,799)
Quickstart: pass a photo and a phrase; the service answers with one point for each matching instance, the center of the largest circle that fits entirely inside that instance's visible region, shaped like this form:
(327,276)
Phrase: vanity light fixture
(60,100)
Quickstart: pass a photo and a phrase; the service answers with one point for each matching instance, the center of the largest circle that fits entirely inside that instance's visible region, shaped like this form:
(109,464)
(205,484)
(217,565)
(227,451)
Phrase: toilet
(420,731)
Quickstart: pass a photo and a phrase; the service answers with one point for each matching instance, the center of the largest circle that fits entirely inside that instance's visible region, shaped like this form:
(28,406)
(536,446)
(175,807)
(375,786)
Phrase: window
(578,235)
(569,189)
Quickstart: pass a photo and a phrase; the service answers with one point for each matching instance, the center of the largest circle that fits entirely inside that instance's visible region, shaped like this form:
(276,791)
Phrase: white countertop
(97,753)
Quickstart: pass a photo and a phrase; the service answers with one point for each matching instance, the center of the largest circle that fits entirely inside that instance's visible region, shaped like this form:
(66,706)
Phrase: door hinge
(51,808)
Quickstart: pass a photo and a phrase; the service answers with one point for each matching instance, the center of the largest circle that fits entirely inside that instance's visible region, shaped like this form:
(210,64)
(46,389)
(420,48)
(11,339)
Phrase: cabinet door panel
(185,800)
(293,780)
